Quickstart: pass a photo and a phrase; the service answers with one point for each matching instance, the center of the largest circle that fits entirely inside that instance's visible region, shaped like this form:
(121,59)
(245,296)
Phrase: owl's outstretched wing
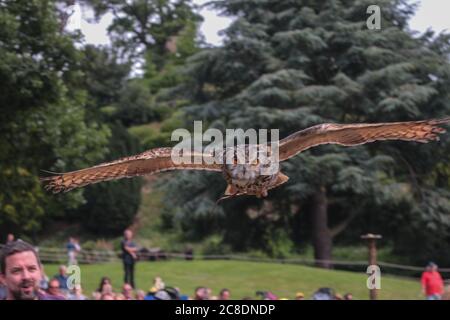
(148,162)
(355,134)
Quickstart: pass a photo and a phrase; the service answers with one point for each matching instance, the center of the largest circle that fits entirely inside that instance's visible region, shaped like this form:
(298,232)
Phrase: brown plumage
(248,178)
(148,162)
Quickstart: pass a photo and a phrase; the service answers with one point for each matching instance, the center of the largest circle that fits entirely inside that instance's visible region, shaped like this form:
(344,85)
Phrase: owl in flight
(249,178)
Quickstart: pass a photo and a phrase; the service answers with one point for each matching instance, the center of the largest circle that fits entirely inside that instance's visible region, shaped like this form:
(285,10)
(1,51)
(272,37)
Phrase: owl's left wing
(356,134)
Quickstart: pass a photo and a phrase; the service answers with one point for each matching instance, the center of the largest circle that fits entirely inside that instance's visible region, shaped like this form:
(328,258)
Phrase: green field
(244,278)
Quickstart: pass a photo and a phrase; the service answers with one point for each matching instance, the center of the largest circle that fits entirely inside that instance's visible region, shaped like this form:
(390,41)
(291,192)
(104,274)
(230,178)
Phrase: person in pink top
(432,283)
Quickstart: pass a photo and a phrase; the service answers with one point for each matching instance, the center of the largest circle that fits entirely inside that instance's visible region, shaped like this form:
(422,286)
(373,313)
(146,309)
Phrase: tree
(110,207)
(155,38)
(147,27)
(43,122)
(293,64)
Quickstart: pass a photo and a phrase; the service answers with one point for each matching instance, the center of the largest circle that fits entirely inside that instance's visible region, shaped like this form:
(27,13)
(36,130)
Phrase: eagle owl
(249,178)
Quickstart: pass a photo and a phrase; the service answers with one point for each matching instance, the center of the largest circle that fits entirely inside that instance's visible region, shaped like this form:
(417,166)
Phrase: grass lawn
(244,278)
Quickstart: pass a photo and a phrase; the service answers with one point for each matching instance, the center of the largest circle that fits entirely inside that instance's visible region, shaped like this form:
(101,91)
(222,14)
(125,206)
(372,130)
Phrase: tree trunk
(322,240)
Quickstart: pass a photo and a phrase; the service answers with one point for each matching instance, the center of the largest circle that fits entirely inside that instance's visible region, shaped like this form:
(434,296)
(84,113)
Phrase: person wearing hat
(299,296)
(432,283)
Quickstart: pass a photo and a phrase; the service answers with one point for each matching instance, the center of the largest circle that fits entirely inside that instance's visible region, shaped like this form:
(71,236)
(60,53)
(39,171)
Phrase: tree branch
(337,229)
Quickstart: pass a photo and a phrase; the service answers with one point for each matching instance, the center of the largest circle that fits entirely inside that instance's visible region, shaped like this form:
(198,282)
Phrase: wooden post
(371,242)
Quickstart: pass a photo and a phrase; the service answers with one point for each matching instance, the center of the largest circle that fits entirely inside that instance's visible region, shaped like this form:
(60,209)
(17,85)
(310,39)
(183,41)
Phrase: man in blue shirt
(72,250)
(62,279)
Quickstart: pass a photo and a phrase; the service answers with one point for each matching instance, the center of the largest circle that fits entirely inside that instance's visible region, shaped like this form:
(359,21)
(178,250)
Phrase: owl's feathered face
(250,168)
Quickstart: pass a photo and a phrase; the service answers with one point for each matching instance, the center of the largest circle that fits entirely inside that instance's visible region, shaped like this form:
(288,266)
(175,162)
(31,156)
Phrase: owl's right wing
(146,163)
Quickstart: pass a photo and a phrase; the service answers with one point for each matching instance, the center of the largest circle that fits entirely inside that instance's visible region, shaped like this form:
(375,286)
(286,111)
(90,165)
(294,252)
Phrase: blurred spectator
(158,284)
(107,288)
(43,284)
(62,279)
(129,256)
(9,238)
(54,289)
(201,293)
(77,293)
(127,292)
(140,295)
(446,295)
(224,294)
(266,295)
(20,272)
(299,296)
(96,295)
(107,296)
(73,248)
(348,296)
(432,283)
(189,253)
(324,294)
(337,296)
(180,295)
(120,296)
(104,281)
(3,291)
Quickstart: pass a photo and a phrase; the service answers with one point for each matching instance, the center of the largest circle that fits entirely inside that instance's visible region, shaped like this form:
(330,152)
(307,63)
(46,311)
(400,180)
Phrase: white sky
(431,13)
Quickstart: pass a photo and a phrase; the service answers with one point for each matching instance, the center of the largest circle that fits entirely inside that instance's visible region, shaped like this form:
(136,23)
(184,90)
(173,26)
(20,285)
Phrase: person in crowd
(224,294)
(73,248)
(77,293)
(9,238)
(43,285)
(63,278)
(3,291)
(432,283)
(140,295)
(127,292)
(446,295)
(54,289)
(96,295)
(120,296)
(129,256)
(107,288)
(107,296)
(20,271)
(201,293)
(103,282)
(348,296)
(158,284)
(299,296)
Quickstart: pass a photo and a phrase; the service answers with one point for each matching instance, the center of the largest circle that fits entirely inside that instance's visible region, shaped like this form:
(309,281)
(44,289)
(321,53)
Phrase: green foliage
(155,135)
(43,124)
(104,79)
(278,244)
(214,245)
(135,104)
(145,27)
